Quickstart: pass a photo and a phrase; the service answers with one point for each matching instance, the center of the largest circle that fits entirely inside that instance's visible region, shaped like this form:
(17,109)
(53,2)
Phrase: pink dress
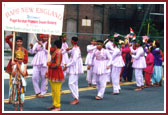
(149,62)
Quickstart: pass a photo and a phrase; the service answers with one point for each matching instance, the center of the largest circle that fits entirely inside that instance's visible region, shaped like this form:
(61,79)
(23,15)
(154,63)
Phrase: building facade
(103,20)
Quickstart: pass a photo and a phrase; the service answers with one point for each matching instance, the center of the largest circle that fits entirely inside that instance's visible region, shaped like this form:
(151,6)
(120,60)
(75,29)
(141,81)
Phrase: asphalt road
(149,99)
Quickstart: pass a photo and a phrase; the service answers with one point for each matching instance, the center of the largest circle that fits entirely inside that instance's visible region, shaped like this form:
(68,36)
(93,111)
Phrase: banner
(32,18)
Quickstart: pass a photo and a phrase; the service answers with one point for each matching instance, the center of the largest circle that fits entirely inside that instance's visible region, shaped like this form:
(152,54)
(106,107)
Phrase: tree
(153,31)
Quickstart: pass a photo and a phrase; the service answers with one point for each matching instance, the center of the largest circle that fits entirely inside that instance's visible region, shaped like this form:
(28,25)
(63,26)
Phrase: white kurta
(117,59)
(65,58)
(102,59)
(138,58)
(118,63)
(90,49)
(90,76)
(75,65)
(109,46)
(41,56)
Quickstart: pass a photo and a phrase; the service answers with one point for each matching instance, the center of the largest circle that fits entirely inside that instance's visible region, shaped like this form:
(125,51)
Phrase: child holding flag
(90,76)
(19,42)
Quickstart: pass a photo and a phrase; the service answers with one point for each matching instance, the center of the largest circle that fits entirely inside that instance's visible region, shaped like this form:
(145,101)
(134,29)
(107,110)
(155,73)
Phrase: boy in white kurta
(39,63)
(90,76)
(110,48)
(102,62)
(65,58)
(139,63)
(74,68)
(117,64)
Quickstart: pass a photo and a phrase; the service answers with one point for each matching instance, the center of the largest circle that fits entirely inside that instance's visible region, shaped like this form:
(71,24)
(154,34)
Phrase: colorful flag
(127,36)
(134,37)
(131,32)
(145,38)
(116,35)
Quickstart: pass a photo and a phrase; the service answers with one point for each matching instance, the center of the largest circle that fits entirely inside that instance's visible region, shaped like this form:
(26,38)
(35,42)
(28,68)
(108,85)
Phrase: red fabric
(124,52)
(149,62)
(56,74)
(7,40)
(43,35)
(147,78)
(52,49)
(162,56)
(74,42)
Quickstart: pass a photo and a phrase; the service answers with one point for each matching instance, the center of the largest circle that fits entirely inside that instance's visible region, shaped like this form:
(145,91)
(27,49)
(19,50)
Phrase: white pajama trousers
(108,77)
(139,77)
(109,74)
(101,81)
(73,85)
(65,72)
(39,74)
(116,78)
(91,77)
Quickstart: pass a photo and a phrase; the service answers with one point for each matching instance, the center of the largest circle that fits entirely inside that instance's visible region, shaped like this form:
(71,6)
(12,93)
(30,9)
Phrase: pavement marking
(68,91)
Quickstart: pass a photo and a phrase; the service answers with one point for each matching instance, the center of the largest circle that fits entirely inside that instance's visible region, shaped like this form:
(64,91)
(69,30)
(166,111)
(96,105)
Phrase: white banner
(31,18)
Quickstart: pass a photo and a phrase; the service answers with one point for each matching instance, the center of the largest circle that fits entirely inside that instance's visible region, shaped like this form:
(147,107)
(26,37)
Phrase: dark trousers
(127,72)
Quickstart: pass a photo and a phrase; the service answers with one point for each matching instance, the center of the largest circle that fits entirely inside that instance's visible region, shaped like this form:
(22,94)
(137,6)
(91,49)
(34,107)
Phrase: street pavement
(149,99)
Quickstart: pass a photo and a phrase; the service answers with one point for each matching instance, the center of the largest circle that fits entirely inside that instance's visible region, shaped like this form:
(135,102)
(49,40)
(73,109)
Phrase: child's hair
(58,43)
(75,39)
(149,48)
(139,42)
(100,41)
(19,38)
(150,41)
(157,44)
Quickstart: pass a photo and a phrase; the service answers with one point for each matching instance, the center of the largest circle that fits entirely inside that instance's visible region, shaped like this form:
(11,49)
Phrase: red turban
(43,35)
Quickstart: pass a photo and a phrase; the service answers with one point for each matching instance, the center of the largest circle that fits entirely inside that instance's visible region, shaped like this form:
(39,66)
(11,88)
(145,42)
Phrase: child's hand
(48,63)
(88,67)
(31,45)
(65,68)
(108,67)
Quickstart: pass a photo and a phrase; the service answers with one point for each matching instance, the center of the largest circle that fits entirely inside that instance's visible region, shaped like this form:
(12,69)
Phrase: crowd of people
(109,61)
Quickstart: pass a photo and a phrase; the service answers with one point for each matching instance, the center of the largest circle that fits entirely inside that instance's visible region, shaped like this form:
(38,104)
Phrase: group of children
(105,61)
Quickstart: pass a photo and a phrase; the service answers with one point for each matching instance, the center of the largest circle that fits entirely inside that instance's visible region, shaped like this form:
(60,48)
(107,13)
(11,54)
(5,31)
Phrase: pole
(144,18)
(13,46)
(49,42)
(148,29)
(13,53)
